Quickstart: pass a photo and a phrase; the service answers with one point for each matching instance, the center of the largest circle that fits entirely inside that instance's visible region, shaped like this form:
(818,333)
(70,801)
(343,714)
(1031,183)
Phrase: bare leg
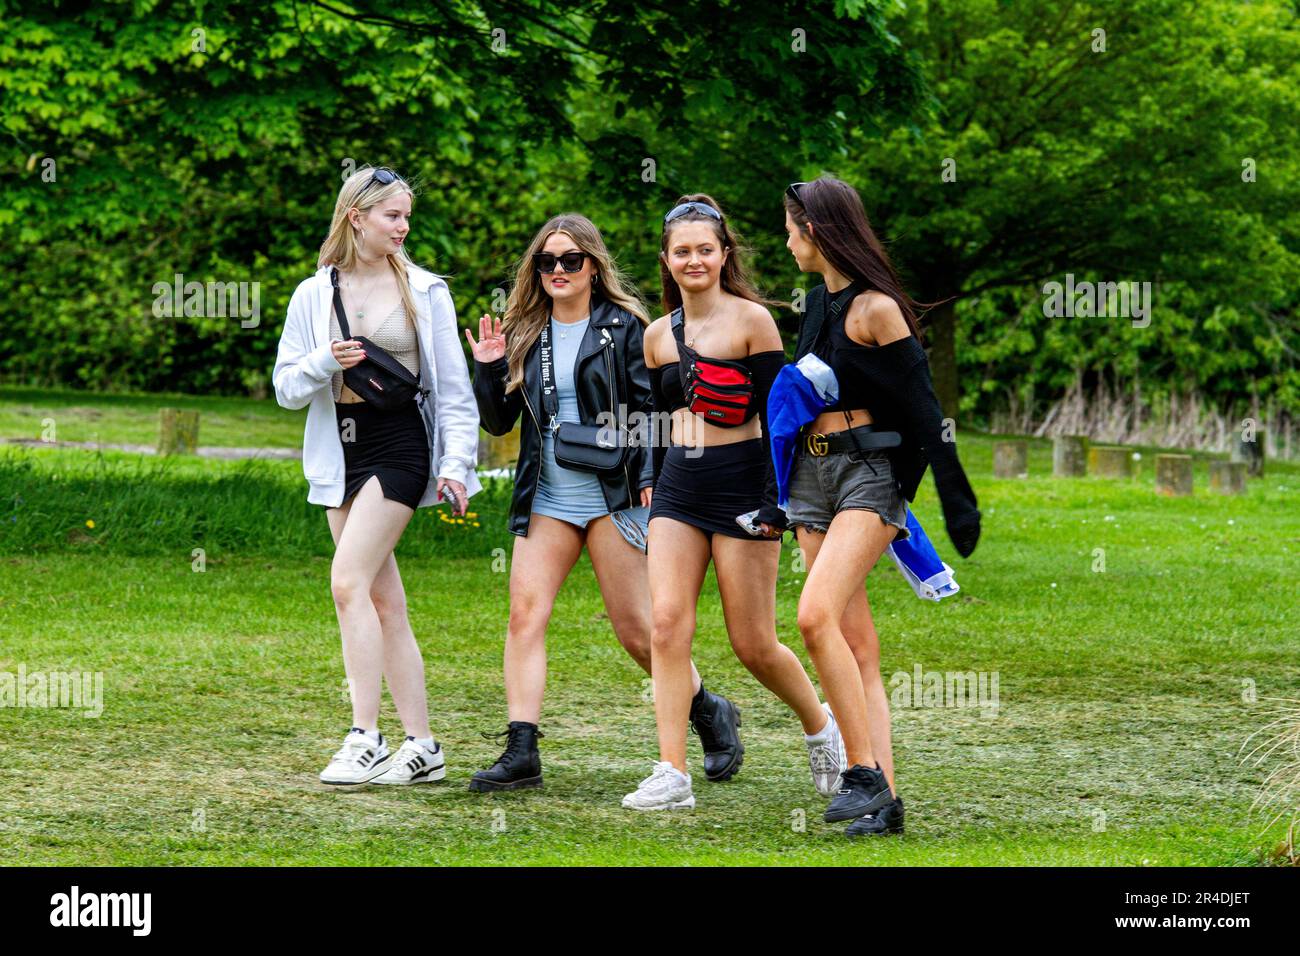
(860,631)
(678,557)
(851,547)
(624,579)
(538,566)
(747,584)
(365,535)
(403,663)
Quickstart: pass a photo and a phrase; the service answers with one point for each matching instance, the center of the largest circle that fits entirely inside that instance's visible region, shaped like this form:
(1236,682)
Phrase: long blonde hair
(529,307)
(340,247)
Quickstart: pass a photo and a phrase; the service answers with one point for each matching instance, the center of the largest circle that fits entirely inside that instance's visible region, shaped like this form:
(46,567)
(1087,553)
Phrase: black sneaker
(516,769)
(716,719)
(864,790)
(888,819)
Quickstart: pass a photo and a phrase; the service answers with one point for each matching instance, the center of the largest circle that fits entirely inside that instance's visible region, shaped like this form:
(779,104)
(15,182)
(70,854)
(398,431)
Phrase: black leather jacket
(611,376)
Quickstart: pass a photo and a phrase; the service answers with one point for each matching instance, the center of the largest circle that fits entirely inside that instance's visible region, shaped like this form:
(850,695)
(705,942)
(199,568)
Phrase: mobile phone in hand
(748,522)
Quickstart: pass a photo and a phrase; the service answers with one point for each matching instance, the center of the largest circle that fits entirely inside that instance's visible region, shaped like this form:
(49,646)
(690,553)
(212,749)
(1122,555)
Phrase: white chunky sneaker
(665,789)
(359,760)
(414,763)
(827,759)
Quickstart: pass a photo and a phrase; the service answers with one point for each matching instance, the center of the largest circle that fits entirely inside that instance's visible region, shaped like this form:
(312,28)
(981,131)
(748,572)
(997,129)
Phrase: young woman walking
(372,466)
(713,360)
(569,351)
(848,485)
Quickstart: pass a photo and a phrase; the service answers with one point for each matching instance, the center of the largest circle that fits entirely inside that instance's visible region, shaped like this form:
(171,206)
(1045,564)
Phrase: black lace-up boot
(716,720)
(519,767)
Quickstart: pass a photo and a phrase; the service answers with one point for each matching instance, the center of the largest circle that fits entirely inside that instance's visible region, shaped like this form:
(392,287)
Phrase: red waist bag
(718,390)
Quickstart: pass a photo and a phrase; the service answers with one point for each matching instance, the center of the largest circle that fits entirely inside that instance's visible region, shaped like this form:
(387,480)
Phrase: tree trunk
(941,336)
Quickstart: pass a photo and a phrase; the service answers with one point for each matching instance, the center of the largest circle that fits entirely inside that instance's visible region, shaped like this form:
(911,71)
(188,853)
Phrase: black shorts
(394,445)
(709,487)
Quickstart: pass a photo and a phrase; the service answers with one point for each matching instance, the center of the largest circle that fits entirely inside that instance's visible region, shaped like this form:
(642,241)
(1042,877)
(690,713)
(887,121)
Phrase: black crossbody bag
(379,378)
(579,447)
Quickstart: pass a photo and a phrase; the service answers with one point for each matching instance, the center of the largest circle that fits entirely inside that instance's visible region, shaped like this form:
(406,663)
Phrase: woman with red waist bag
(849,484)
(712,362)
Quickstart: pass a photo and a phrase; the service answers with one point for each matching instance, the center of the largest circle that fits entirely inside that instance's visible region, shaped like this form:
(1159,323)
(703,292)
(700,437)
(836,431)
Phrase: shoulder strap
(550,400)
(842,300)
(338,304)
(678,322)
(810,325)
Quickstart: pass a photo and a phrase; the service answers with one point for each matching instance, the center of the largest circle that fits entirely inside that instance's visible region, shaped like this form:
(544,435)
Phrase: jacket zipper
(523,390)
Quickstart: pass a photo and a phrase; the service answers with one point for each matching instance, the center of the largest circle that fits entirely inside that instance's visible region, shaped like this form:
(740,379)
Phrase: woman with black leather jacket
(571,326)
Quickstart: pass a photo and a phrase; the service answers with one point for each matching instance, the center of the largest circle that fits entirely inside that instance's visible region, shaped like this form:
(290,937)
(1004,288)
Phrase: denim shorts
(823,486)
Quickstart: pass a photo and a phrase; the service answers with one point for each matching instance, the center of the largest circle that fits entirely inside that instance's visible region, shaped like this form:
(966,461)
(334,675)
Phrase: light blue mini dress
(562,493)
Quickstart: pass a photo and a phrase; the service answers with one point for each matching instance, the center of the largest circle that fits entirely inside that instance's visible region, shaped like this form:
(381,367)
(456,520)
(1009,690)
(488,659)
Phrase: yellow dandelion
(89,523)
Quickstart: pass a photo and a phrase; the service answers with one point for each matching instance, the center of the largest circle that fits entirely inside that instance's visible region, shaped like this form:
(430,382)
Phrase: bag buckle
(816,445)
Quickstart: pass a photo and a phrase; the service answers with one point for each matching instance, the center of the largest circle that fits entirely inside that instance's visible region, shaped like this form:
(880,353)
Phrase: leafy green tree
(1152,140)
(148,139)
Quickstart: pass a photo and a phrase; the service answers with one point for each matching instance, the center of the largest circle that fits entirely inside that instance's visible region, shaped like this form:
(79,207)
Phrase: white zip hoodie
(304,365)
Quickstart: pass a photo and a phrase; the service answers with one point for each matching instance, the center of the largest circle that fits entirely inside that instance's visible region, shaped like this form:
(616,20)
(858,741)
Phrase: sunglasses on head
(385,177)
(704,208)
(793,192)
(569,261)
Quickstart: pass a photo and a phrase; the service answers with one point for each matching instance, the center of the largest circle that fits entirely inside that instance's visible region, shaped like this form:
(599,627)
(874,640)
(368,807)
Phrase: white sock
(820,736)
(374,735)
(428,743)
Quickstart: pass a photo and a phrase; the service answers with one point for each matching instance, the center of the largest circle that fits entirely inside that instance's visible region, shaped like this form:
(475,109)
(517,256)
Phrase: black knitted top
(893,383)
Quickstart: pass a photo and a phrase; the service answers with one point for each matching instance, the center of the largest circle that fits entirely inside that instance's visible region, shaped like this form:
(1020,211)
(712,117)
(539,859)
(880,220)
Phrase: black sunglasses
(793,192)
(678,211)
(385,177)
(569,261)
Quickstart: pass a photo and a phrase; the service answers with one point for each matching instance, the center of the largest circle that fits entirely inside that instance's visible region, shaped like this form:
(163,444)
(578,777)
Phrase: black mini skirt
(710,487)
(393,445)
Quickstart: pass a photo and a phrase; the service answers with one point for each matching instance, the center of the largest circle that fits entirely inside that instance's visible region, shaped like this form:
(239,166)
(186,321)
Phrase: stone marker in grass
(178,432)
(1251,452)
(1110,461)
(1068,457)
(1174,475)
(1011,459)
(498,451)
(1228,477)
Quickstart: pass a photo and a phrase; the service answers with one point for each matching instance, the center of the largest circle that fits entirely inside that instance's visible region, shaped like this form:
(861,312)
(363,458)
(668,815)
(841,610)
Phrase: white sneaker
(415,763)
(359,759)
(827,759)
(665,789)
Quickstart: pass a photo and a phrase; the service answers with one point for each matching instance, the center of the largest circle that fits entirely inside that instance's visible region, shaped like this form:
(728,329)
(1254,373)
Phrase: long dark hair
(843,235)
(734,279)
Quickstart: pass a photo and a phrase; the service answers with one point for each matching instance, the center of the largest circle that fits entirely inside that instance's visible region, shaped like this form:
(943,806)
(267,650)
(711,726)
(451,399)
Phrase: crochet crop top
(395,335)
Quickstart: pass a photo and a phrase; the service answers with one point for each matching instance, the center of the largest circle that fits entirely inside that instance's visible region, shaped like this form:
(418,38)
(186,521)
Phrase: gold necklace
(691,343)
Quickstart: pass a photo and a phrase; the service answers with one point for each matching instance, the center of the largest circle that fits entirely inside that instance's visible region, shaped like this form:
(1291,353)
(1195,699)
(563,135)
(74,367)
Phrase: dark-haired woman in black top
(711,475)
(849,485)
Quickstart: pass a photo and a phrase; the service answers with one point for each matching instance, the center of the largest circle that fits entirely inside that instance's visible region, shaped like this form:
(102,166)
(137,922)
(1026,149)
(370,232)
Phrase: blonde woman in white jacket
(370,467)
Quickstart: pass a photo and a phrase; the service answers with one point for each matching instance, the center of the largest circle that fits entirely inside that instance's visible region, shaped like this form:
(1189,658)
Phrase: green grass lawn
(1125,694)
(130,418)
